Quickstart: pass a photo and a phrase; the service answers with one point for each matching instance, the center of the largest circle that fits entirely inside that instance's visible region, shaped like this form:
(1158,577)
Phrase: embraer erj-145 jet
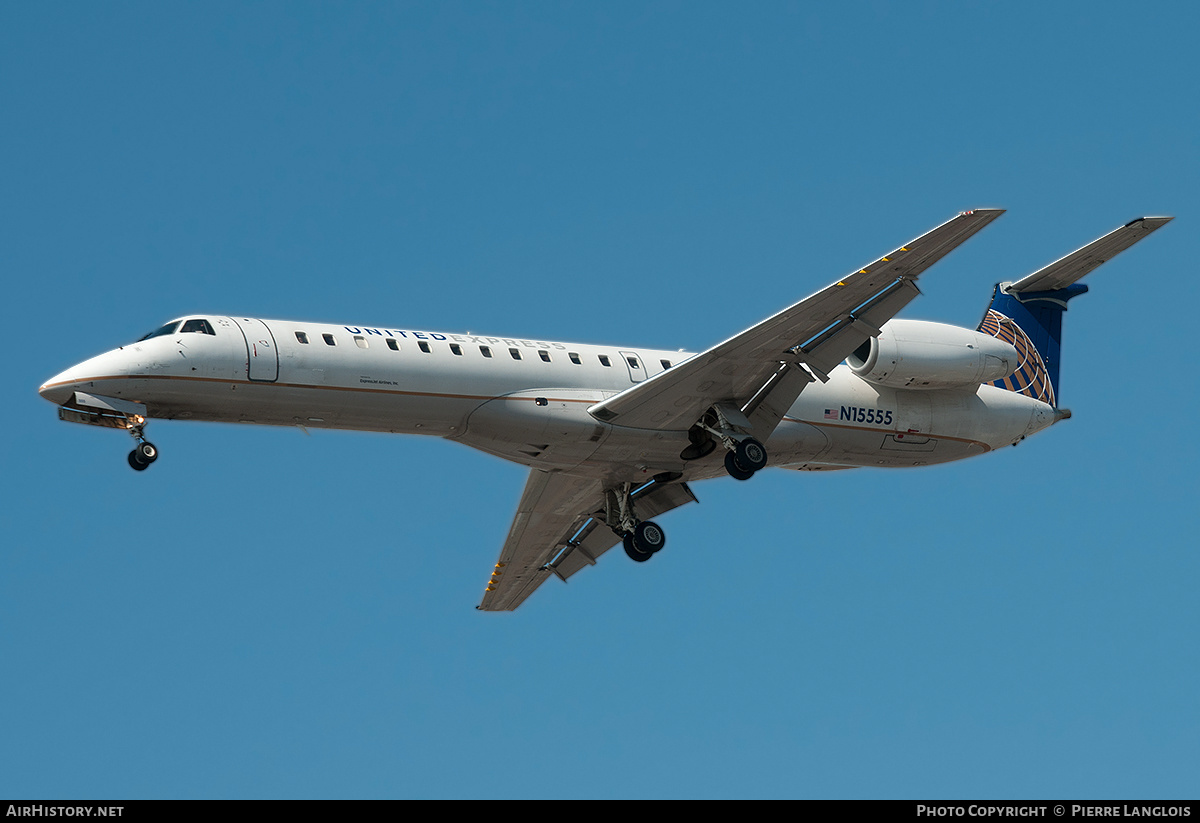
(612,436)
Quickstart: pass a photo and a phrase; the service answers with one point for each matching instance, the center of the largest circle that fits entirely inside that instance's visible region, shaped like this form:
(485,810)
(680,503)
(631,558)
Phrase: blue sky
(265,614)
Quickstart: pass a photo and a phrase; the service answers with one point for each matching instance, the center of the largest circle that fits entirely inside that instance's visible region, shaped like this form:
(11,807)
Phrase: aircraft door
(637,369)
(262,356)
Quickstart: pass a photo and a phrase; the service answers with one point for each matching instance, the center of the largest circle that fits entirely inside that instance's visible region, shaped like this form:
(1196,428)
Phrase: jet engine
(917,354)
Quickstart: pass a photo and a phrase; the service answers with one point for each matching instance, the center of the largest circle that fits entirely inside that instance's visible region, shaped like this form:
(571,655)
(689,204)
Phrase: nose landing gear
(145,452)
(141,457)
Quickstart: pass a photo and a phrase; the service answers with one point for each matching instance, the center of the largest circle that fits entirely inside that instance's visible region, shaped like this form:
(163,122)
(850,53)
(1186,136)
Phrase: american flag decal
(831,414)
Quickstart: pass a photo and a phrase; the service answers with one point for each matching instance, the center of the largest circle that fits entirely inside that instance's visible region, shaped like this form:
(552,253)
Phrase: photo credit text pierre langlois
(1056,810)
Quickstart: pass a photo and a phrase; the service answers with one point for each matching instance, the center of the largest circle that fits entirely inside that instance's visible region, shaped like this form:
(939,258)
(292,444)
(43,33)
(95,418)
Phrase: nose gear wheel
(145,452)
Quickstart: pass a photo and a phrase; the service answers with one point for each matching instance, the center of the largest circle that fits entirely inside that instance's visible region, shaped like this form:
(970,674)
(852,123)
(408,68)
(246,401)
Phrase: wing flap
(767,408)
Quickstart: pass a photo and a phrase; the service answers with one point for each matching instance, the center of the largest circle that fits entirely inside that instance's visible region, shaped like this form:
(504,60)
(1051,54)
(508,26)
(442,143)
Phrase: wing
(559,529)
(757,371)
(1064,272)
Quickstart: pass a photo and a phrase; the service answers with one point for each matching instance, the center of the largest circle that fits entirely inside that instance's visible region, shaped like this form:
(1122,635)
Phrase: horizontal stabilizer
(1064,272)
(1028,314)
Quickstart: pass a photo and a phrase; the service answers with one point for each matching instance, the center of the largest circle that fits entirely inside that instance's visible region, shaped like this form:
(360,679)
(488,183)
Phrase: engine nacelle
(917,354)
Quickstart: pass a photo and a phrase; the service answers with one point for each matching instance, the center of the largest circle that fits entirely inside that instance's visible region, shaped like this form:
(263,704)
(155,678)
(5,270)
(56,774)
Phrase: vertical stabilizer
(1033,325)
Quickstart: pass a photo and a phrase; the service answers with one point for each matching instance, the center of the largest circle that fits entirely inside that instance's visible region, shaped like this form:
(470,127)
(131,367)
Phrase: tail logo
(1031,377)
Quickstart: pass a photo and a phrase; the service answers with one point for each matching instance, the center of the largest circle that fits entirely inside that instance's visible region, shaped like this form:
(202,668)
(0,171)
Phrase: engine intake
(918,354)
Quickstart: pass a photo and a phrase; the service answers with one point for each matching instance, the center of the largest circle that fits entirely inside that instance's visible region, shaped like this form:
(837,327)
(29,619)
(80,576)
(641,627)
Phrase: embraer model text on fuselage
(613,435)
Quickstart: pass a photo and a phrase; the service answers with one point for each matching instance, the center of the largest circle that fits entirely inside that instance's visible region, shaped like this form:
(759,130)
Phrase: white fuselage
(524,400)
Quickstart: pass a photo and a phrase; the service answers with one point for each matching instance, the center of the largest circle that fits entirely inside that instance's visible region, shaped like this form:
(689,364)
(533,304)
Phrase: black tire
(735,469)
(136,463)
(649,537)
(146,452)
(632,551)
(751,454)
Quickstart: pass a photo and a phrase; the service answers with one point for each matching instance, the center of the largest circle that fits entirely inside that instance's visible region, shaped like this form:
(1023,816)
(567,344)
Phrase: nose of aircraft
(59,388)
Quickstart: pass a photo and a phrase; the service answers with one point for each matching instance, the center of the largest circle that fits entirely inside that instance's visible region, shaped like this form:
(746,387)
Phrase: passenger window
(329,341)
(516,353)
(302,337)
(575,358)
(392,344)
(633,363)
(485,351)
(359,341)
(666,364)
(457,349)
(423,346)
(545,355)
(604,360)
(197,325)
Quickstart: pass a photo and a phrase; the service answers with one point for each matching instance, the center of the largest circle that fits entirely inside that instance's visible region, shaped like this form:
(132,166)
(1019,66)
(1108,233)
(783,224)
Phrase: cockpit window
(159,332)
(197,325)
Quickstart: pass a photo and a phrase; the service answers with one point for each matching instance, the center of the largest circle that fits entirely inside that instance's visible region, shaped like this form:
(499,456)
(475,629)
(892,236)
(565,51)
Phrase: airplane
(614,435)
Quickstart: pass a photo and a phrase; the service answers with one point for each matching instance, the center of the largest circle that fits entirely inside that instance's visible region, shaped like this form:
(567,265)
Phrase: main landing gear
(145,452)
(747,457)
(730,427)
(645,539)
(641,538)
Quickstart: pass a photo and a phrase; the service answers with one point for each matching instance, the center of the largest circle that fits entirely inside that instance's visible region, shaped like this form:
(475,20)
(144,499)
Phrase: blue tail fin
(1028,313)
(1032,323)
